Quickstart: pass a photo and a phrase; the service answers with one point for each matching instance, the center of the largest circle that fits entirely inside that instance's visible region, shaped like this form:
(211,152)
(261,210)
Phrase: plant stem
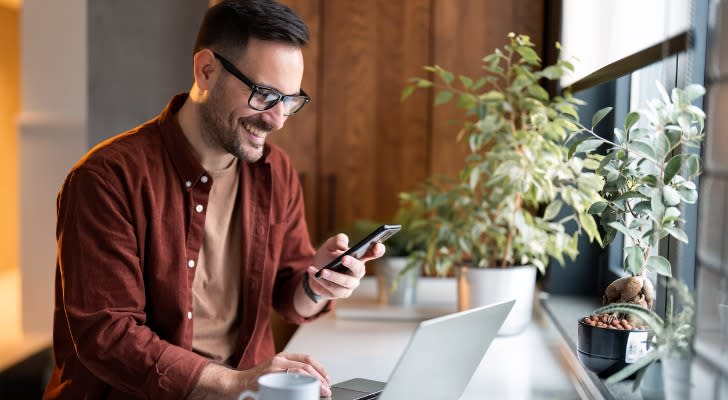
(509,237)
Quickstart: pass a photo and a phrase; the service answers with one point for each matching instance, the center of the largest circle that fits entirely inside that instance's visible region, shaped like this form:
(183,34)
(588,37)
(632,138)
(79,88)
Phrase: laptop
(439,361)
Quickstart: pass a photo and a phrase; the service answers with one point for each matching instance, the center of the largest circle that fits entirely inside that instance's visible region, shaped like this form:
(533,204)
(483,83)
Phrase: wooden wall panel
(299,137)
(348,121)
(372,145)
(403,128)
(356,145)
(464,32)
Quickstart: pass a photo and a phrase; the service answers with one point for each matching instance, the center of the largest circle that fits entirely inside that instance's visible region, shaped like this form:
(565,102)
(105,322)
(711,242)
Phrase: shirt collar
(189,169)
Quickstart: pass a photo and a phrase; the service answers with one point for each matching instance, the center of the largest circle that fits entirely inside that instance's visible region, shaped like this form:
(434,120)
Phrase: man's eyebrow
(267,86)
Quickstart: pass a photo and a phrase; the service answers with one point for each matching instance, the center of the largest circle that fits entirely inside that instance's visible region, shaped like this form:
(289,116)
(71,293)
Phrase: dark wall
(140,55)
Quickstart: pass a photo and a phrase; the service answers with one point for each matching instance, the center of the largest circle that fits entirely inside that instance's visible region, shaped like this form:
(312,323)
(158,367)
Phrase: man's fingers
(306,364)
(337,243)
(374,252)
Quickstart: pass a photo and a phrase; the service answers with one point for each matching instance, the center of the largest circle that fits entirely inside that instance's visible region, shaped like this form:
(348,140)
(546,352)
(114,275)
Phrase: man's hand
(293,363)
(335,285)
(219,382)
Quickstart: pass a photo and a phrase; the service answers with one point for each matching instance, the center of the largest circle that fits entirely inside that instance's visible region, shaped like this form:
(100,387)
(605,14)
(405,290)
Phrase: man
(176,238)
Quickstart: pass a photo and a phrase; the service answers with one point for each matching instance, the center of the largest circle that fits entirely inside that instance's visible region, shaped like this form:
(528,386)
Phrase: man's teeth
(255,131)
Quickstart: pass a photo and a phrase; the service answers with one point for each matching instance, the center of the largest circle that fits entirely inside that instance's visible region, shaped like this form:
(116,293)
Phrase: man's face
(227,121)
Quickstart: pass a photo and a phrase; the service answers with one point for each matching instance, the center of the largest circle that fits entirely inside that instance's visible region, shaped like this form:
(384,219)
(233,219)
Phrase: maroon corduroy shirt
(130,218)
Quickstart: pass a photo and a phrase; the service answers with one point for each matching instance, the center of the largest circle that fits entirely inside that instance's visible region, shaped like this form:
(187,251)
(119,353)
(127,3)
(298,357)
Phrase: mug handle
(247,394)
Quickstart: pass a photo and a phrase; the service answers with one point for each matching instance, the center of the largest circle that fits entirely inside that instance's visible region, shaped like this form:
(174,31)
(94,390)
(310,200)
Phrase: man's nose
(275,117)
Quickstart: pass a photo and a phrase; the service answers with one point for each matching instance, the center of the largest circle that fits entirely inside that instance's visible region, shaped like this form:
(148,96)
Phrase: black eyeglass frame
(229,67)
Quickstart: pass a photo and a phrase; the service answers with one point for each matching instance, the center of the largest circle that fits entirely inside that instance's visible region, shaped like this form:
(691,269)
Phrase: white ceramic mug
(283,386)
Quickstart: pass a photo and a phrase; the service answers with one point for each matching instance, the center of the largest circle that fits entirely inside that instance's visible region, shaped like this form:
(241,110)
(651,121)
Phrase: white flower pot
(402,292)
(676,377)
(481,286)
(652,386)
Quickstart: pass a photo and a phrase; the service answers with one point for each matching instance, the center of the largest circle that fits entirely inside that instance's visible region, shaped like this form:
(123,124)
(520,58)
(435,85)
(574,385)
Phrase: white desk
(356,344)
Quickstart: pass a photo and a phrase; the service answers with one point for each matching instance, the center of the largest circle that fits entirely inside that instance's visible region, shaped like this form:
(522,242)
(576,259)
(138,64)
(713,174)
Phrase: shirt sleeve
(296,256)
(103,294)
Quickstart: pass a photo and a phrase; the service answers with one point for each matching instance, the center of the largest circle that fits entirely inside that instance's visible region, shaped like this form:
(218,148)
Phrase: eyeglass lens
(263,99)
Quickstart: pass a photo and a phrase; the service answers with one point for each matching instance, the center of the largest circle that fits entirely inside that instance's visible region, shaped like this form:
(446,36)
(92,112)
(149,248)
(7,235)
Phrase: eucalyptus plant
(648,172)
(671,336)
(522,197)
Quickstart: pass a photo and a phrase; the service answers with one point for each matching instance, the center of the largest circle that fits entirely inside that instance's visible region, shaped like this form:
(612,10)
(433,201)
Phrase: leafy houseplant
(647,173)
(520,187)
(521,198)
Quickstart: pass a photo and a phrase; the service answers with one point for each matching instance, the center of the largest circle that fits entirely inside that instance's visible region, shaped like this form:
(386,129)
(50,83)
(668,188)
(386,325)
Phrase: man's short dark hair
(228,25)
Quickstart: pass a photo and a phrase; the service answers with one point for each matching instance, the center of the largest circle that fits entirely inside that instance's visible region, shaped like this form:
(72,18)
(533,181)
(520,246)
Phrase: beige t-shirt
(216,287)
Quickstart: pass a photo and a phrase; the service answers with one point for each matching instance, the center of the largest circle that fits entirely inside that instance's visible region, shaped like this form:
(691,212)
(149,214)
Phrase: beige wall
(9,107)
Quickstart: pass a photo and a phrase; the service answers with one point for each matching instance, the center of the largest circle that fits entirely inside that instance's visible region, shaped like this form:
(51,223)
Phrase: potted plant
(647,172)
(522,197)
(670,341)
(396,283)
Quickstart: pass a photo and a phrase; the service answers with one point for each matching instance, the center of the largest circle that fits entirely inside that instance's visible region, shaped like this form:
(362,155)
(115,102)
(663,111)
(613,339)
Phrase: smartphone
(358,250)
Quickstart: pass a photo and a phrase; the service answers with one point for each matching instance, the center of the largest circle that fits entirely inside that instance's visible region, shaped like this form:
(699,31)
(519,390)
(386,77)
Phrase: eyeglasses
(264,98)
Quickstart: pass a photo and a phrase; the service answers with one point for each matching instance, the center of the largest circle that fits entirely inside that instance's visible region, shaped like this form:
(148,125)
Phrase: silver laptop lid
(443,354)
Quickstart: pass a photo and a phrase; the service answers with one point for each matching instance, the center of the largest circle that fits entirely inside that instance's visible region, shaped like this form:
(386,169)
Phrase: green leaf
(630,369)
(671,169)
(670,196)
(659,265)
(630,120)
(674,135)
(658,208)
(621,228)
(492,95)
(538,92)
(693,91)
(599,115)
(466,81)
(693,163)
(689,196)
(466,101)
(677,233)
(528,54)
(443,97)
(406,92)
(590,227)
(662,146)
(642,147)
(671,214)
(553,72)
(552,210)
(446,76)
(479,83)
(588,145)
(598,207)
(633,261)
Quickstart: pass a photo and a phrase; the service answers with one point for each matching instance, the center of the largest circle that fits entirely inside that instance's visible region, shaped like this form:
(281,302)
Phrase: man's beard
(217,133)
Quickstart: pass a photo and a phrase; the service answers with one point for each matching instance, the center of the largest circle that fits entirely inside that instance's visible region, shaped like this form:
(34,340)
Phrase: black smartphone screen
(358,250)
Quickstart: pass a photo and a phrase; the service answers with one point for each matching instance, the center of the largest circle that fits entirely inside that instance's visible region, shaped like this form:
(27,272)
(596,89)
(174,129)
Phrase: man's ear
(206,69)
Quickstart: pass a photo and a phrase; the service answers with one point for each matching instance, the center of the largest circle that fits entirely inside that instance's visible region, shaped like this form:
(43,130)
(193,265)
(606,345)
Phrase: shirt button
(199,208)
(189,314)
(204,179)
(191,263)
(188,184)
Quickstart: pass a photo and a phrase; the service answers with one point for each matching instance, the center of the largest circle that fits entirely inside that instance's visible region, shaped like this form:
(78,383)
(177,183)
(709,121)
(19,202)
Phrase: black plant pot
(606,351)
